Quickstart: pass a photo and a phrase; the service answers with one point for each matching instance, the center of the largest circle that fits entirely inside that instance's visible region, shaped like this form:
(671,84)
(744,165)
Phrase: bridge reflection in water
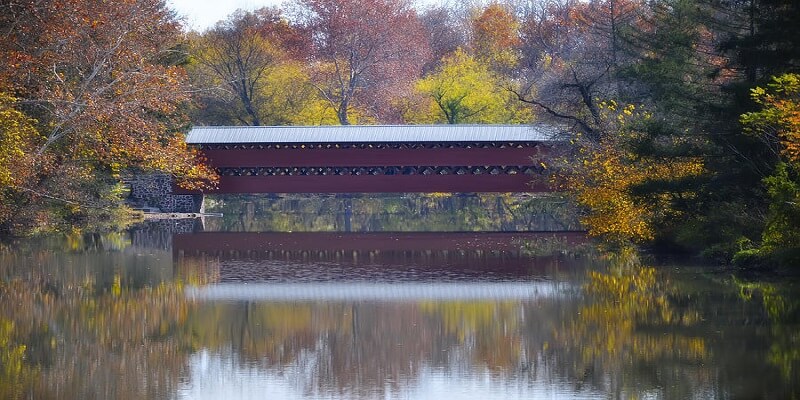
(376,266)
(309,243)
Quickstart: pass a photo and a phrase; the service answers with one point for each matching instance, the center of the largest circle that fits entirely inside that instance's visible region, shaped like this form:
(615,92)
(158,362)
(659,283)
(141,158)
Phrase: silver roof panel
(369,134)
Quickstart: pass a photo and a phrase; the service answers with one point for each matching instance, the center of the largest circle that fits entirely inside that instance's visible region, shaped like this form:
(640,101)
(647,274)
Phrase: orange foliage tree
(496,37)
(100,80)
(778,122)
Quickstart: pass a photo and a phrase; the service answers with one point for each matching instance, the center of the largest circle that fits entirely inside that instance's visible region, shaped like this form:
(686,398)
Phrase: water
(174,310)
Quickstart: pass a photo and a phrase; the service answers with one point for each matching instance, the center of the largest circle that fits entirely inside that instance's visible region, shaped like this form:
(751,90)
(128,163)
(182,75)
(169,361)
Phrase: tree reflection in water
(783,311)
(86,333)
(102,319)
(628,333)
(411,212)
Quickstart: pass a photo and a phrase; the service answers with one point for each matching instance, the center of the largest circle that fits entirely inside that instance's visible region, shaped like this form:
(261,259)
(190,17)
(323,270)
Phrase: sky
(203,14)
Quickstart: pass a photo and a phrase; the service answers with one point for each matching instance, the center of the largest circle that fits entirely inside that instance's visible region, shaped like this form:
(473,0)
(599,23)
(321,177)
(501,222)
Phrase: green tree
(761,39)
(672,75)
(694,79)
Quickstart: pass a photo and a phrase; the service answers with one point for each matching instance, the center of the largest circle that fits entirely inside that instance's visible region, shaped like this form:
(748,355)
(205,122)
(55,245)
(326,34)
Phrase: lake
(393,297)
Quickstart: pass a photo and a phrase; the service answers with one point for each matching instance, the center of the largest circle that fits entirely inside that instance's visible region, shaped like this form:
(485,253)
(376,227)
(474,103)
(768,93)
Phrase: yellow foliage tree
(19,140)
(465,90)
(246,79)
(602,179)
(328,100)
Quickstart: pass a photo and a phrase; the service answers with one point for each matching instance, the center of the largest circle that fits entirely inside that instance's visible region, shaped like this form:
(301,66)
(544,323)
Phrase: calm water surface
(235,308)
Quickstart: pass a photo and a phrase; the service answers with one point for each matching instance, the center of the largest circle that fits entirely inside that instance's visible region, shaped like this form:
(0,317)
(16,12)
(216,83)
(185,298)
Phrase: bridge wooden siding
(376,159)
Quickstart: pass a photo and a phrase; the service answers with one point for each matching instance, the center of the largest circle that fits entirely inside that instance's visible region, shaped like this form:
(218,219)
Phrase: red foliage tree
(444,35)
(271,24)
(363,51)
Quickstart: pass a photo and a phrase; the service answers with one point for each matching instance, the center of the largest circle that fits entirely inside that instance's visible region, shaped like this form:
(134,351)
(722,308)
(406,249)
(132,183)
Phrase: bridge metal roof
(369,134)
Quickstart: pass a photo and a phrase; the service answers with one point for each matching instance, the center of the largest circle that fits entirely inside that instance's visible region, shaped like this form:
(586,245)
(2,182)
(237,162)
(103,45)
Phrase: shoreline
(165,215)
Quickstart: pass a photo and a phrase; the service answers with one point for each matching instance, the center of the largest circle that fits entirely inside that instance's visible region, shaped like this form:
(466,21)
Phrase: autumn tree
(605,178)
(562,80)
(248,70)
(443,33)
(465,90)
(19,140)
(583,61)
(777,124)
(568,62)
(495,38)
(363,52)
(94,77)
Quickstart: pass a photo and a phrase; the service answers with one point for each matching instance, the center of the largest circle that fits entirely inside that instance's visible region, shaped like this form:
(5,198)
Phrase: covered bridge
(375,158)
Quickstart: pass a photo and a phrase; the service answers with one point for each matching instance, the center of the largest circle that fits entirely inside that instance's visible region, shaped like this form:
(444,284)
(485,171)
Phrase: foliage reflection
(628,327)
(412,212)
(103,318)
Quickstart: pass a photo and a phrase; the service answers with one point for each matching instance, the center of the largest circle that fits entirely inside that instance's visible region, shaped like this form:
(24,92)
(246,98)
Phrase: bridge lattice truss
(391,170)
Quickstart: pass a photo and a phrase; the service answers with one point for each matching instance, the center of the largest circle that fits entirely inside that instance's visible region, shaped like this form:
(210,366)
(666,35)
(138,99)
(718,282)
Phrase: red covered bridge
(376,159)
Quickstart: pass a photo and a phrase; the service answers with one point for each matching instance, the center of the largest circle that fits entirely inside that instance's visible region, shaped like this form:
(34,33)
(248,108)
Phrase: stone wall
(153,192)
